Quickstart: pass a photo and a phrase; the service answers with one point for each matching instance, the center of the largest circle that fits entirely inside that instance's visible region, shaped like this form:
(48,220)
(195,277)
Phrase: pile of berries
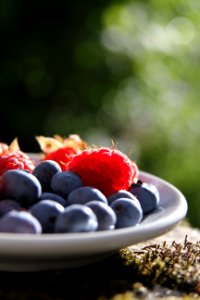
(73,188)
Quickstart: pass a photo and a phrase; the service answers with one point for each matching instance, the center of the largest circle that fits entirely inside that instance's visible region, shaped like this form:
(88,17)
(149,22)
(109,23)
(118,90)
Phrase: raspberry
(61,156)
(108,170)
(15,160)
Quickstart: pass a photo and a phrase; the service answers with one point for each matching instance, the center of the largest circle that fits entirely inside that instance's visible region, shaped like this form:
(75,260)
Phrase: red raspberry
(106,169)
(15,160)
(61,156)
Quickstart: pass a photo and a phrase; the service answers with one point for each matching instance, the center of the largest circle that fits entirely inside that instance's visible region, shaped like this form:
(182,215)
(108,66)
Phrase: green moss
(176,265)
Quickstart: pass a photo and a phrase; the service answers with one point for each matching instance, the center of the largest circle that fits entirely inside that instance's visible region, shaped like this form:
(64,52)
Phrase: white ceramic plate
(26,252)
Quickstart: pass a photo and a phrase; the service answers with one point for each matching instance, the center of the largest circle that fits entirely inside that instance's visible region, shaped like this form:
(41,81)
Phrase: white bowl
(26,252)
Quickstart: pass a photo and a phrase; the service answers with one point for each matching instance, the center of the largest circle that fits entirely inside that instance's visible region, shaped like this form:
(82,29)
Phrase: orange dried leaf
(14,146)
(58,138)
(3,148)
(75,142)
(48,144)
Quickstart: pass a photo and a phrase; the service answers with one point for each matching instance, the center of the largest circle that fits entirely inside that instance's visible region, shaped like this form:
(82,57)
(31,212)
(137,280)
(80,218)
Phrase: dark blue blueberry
(21,186)
(76,218)
(46,212)
(52,196)
(85,194)
(120,194)
(7,205)
(19,222)
(147,194)
(128,212)
(44,171)
(65,182)
(105,215)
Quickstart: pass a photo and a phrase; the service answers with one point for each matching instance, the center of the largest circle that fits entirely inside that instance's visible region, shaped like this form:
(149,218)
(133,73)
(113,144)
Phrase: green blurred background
(126,71)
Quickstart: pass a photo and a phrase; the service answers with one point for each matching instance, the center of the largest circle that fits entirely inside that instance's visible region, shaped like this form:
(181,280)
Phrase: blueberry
(19,222)
(147,194)
(52,196)
(44,171)
(105,215)
(21,186)
(76,218)
(120,194)
(128,212)
(7,205)
(65,182)
(85,194)
(46,212)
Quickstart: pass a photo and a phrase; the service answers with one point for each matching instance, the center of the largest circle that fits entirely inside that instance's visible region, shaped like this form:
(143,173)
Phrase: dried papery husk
(50,144)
